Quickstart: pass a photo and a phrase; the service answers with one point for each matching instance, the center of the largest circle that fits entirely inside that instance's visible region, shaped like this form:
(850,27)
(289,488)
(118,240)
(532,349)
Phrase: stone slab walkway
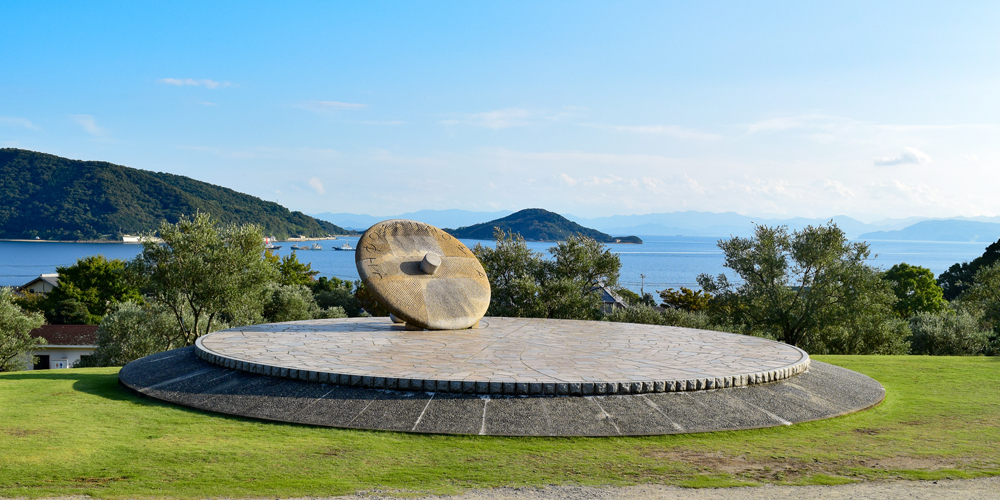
(511,356)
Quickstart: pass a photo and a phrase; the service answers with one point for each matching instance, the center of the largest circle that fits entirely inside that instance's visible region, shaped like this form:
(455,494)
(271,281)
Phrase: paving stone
(505,356)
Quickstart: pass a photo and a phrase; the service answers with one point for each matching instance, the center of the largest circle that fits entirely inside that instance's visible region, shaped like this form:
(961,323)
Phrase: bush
(288,303)
(129,332)
(947,334)
(636,314)
(648,315)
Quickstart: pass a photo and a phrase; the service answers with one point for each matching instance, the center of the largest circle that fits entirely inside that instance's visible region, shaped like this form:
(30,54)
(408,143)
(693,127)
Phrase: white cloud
(971,157)
(665,130)
(568,180)
(511,117)
(909,155)
(18,122)
(317,185)
(89,124)
(383,156)
(183,82)
(328,106)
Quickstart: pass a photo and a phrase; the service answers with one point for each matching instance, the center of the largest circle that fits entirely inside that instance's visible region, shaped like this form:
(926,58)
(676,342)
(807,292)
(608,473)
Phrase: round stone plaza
(513,356)
(509,377)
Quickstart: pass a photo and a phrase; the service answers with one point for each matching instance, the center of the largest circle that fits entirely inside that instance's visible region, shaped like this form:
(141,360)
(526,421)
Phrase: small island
(536,224)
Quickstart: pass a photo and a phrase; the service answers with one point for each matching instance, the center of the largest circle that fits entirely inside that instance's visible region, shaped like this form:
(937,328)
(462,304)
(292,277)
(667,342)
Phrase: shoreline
(318,238)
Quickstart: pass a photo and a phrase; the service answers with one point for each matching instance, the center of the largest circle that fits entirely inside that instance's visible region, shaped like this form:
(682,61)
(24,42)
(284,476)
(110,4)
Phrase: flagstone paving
(512,356)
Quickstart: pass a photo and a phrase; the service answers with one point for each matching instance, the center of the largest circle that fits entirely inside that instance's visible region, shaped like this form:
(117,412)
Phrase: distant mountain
(692,223)
(536,224)
(941,230)
(438,218)
(57,198)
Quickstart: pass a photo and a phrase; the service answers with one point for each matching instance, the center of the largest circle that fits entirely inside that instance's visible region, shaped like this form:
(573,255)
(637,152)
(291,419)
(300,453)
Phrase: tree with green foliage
(131,331)
(335,292)
(959,277)
(88,289)
(631,298)
(205,274)
(685,299)
(948,334)
(16,342)
(811,288)
(915,290)
(982,300)
(290,270)
(524,284)
(294,303)
(513,270)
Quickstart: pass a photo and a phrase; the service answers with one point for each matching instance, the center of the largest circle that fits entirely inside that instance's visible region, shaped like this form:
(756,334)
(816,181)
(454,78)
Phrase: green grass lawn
(72,432)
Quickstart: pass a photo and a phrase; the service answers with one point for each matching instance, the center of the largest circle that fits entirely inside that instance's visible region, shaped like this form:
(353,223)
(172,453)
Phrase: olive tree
(525,284)
(811,288)
(205,274)
(16,342)
(131,331)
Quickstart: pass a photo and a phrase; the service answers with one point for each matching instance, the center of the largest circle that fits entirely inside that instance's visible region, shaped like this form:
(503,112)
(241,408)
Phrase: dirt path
(983,488)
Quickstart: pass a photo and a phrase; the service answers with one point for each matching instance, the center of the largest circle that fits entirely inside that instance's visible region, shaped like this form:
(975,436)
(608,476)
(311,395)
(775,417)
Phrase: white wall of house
(63,356)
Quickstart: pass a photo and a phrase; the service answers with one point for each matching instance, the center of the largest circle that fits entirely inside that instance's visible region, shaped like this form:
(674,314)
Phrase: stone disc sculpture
(423,275)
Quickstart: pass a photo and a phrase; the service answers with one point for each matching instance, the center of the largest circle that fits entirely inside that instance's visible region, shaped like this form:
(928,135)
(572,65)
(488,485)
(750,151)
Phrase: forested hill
(61,199)
(535,224)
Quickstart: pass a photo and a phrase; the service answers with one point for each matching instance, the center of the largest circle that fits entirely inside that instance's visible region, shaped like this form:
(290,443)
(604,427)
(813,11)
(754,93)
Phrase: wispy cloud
(511,117)
(317,185)
(661,130)
(89,124)
(298,154)
(18,122)
(909,155)
(183,82)
(329,106)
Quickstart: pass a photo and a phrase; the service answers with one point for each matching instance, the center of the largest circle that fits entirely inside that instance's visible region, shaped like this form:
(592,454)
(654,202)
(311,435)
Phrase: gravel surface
(982,488)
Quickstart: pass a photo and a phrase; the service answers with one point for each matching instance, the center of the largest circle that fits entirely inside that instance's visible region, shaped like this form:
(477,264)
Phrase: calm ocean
(667,261)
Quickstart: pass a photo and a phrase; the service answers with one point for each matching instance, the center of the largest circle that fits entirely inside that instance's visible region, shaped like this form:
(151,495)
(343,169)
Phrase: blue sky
(796,108)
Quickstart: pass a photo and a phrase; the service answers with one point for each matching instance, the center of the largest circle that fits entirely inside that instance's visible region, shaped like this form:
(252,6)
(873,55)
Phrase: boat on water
(314,246)
(346,247)
(269,244)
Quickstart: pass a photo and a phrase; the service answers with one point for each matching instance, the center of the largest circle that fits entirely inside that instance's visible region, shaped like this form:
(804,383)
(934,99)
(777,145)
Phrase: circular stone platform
(181,377)
(511,356)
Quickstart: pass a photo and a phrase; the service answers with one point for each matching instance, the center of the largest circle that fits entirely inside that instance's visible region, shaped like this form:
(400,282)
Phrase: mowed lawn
(72,432)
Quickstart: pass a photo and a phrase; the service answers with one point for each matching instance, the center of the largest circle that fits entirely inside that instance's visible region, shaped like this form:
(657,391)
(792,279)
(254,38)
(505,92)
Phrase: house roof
(57,335)
(52,279)
(608,296)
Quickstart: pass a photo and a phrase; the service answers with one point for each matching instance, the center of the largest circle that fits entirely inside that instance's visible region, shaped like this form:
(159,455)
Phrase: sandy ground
(982,488)
(988,488)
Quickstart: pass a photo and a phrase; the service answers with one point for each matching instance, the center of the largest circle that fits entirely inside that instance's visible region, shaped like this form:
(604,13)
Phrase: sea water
(666,261)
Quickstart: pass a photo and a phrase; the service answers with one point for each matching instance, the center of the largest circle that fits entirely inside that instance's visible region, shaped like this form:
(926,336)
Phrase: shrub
(129,332)
(947,334)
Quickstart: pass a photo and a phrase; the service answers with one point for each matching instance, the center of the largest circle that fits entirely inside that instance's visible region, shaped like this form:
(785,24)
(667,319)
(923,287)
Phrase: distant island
(53,198)
(941,230)
(536,224)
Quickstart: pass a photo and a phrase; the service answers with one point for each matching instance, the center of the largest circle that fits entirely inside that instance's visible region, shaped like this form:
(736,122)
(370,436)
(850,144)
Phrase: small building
(42,284)
(609,299)
(66,345)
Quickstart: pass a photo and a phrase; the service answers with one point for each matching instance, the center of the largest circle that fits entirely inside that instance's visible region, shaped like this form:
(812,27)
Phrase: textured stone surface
(514,356)
(180,377)
(454,296)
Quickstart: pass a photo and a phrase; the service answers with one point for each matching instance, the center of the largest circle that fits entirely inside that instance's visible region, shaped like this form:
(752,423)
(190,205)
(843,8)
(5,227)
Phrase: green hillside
(536,224)
(61,199)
